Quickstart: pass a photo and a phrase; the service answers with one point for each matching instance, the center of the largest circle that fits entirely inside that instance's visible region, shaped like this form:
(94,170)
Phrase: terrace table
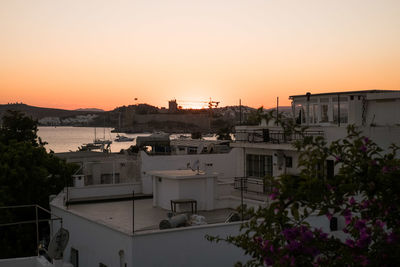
(193,203)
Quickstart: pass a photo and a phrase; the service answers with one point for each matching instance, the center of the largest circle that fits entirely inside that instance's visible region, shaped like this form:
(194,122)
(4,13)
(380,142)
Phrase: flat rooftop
(182,174)
(347,93)
(118,214)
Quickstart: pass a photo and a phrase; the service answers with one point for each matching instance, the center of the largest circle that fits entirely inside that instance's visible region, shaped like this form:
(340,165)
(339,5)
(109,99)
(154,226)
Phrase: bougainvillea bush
(364,194)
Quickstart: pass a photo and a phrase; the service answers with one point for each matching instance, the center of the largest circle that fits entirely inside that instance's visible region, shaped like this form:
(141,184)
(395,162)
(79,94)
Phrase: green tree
(224,134)
(28,175)
(364,193)
(16,126)
(255,117)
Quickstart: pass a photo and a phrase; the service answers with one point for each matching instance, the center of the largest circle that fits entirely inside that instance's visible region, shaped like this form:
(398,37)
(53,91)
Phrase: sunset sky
(104,54)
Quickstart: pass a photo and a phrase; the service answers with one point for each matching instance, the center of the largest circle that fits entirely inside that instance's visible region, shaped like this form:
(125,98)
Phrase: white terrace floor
(118,214)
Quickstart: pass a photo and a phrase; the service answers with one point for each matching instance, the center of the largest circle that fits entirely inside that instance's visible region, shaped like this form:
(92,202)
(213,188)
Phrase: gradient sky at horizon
(104,54)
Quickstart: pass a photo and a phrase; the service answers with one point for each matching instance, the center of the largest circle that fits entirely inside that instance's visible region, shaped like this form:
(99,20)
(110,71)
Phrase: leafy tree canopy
(28,175)
(224,134)
(16,126)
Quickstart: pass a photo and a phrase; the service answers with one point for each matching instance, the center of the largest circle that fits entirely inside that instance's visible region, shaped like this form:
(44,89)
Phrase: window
(335,112)
(333,224)
(324,109)
(192,150)
(74,257)
(108,178)
(311,114)
(315,113)
(340,110)
(258,165)
(300,114)
(288,162)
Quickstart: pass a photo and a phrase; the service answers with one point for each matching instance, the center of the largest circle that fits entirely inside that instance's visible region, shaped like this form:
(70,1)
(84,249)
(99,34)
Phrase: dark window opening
(333,224)
(74,257)
(288,162)
(258,165)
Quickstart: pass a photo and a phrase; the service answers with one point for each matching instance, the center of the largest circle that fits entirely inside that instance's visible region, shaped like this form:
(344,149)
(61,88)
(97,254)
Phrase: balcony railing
(271,136)
(252,185)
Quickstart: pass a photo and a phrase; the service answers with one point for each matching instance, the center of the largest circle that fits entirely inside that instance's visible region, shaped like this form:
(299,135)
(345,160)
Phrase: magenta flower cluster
(297,241)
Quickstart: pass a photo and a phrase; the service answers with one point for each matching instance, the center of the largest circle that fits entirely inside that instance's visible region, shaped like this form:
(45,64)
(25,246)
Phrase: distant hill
(39,112)
(89,109)
(284,109)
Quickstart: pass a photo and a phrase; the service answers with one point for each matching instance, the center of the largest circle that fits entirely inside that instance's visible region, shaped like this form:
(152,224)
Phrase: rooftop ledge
(183,174)
(117,215)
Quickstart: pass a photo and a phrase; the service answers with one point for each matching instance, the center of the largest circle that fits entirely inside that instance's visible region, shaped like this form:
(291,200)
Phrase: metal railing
(251,185)
(36,220)
(272,136)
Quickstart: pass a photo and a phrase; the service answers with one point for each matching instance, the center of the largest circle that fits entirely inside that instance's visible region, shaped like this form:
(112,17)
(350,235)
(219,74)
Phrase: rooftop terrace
(118,214)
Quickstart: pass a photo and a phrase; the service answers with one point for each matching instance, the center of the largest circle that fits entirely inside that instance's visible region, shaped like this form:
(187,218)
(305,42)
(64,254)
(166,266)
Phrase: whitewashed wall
(26,262)
(187,247)
(108,190)
(202,189)
(95,242)
(225,164)
(383,112)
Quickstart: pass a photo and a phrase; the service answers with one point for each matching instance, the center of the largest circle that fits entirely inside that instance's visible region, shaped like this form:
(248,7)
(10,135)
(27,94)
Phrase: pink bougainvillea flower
(350,243)
(363,148)
(273,196)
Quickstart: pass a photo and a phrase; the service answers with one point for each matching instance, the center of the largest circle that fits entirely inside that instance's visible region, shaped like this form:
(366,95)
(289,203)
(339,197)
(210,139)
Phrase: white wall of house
(278,160)
(383,112)
(109,190)
(187,247)
(119,170)
(381,109)
(201,188)
(383,136)
(29,262)
(96,243)
(225,164)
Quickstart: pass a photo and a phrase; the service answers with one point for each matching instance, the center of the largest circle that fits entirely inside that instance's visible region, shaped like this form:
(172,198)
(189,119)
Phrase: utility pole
(240,111)
(277,109)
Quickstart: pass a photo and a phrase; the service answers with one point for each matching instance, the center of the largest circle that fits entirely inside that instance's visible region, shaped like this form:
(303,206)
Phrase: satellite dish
(196,166)
(200,148)
(57,244)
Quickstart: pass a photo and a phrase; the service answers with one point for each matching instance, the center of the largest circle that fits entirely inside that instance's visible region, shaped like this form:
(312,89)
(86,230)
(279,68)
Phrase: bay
(64,139)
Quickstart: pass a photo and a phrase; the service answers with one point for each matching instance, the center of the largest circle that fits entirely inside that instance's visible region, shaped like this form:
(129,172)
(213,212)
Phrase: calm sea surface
(64,139)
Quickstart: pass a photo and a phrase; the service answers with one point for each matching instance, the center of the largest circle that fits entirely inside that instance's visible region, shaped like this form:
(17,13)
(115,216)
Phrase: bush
(365,193)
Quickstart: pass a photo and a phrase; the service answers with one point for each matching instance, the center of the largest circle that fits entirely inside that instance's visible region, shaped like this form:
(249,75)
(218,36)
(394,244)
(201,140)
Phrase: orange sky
(100,53)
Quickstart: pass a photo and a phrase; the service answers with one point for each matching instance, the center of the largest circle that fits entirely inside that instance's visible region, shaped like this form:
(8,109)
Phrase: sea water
(64,139)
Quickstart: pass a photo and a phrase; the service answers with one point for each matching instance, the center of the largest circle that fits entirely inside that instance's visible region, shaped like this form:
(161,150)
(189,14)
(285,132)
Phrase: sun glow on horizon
(103,54)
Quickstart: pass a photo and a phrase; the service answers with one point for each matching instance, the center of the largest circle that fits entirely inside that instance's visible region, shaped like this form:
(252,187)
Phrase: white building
(108,228)
(267,151)
(101,221)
